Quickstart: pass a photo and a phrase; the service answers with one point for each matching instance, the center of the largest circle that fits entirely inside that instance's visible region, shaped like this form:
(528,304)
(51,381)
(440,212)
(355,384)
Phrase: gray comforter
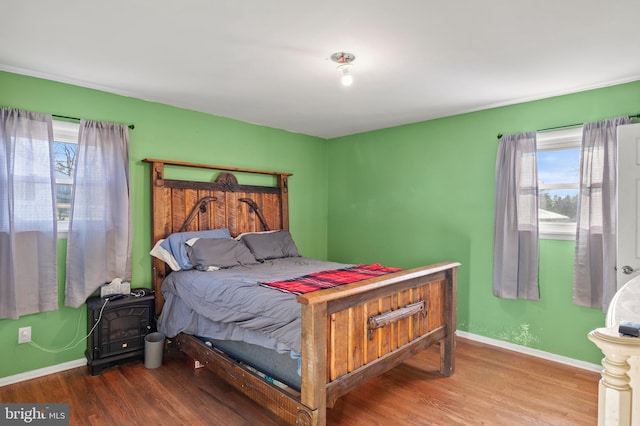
(229,304)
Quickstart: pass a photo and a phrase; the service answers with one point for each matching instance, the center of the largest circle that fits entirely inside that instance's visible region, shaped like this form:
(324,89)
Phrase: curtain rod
(131,126)
(566,126)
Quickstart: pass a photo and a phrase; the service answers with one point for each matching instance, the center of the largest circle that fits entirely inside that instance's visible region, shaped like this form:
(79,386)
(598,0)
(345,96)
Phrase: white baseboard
(4,381)
(529,351)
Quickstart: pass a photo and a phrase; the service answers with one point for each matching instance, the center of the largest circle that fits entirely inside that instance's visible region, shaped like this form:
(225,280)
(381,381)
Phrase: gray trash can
(153,350)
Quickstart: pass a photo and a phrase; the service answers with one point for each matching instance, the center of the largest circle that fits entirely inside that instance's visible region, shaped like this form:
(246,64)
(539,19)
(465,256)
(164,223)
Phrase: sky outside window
(558,166)
(558,174)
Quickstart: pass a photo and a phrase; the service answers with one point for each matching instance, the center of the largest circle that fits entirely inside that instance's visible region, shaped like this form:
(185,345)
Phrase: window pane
(558,205)
(65,160)
(63,201)
(559,166)
(558,180)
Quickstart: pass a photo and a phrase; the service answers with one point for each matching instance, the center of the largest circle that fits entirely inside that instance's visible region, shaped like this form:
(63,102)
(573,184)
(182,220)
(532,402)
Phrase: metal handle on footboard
(390,317)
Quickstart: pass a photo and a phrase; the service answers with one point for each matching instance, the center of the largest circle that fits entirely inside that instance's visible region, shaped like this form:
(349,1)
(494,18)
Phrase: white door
(628,203)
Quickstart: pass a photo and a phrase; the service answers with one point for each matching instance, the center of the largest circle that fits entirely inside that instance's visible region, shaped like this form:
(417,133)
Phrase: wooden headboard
(183,205)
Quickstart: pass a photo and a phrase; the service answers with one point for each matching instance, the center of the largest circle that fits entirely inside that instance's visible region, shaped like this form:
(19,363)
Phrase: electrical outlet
(24,334)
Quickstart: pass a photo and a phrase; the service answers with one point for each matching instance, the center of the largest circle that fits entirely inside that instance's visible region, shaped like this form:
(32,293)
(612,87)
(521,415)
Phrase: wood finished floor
(491,386)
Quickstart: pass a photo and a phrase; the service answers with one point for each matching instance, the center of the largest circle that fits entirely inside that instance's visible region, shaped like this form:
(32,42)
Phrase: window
(65,148)
(558,182)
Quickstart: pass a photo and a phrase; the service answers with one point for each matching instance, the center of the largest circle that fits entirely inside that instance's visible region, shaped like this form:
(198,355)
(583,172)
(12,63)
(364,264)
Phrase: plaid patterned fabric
(331,278)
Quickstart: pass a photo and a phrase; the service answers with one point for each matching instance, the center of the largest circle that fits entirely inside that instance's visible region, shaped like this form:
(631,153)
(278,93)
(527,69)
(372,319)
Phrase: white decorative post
(615,393)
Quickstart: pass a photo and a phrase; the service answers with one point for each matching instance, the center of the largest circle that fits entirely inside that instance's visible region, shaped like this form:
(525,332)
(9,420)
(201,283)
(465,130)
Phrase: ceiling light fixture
(344,61)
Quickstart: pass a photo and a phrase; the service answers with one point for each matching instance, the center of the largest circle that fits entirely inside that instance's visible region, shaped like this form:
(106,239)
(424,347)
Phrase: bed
(345,335)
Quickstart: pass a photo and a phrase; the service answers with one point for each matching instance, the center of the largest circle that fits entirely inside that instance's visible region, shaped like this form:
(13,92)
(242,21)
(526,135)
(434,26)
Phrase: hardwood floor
(491,386)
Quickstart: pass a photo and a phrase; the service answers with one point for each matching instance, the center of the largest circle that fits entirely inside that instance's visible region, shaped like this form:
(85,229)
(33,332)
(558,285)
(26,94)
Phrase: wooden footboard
(343,346)
(340,349)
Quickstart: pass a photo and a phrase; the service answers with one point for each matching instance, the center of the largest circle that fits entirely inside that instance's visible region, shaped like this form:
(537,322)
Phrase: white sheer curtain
(515,251)
(99,242)
(28,237)
(594,280)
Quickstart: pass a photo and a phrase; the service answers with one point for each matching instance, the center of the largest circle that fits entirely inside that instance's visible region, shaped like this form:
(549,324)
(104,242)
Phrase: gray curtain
(28,235)
(515,251)
(99,241)
(594,280)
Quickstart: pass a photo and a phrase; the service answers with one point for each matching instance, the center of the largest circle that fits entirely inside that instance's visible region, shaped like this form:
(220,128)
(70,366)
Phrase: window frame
(67,132)
(553,140)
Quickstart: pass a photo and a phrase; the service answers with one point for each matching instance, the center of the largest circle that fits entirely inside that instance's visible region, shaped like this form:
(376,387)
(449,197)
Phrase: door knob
(626,269)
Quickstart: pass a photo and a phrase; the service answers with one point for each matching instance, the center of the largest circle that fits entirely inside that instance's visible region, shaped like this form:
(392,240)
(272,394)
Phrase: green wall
(404,196)
(162,132)
(424,193)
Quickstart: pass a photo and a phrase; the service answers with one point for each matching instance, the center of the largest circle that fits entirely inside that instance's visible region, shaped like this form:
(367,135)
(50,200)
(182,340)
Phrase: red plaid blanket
(331,278)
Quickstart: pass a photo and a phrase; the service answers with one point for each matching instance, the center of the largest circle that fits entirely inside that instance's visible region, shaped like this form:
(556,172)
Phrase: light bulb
(344,60)
(347,78)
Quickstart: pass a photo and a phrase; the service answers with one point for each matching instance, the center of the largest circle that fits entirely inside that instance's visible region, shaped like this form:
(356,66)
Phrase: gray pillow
(271,245)
(219,253)
(172,250)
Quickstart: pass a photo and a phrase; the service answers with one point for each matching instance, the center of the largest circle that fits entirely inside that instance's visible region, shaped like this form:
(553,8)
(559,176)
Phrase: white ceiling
(266,62)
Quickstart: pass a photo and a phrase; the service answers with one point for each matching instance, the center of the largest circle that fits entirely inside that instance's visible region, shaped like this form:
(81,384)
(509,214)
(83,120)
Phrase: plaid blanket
(330,278)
